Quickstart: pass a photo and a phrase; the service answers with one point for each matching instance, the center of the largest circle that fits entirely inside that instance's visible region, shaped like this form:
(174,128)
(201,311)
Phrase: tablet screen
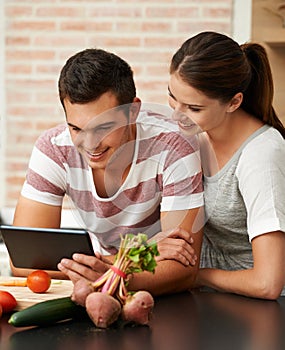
(43,248)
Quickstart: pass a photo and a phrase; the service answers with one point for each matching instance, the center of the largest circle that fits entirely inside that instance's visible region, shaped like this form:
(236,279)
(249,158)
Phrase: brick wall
(41,34)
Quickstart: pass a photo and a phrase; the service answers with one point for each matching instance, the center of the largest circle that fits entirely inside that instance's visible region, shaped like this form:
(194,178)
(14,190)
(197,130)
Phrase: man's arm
(30,213)
(170,275)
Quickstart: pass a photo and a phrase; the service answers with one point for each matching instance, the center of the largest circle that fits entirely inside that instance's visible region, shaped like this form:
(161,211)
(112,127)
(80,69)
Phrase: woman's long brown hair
(219,67)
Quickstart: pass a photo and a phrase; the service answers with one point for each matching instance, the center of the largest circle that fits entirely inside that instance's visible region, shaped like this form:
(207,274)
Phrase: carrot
(14,283)
(22,283)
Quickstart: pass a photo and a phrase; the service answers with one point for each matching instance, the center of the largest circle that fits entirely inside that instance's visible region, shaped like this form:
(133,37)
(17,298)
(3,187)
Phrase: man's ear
(235,102)
(134,109)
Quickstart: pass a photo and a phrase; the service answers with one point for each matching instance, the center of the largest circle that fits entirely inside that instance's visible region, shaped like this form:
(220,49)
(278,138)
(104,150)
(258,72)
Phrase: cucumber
(47,312)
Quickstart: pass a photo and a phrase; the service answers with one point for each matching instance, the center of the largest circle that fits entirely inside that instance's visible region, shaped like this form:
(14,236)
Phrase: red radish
(103,309)
(138,307)
(81,289)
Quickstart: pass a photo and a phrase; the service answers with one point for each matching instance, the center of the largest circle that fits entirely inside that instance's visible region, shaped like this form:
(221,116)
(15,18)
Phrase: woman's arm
(170,275)
(265,280)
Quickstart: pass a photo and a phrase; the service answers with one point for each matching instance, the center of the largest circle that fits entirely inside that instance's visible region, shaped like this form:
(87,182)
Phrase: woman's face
(193,108)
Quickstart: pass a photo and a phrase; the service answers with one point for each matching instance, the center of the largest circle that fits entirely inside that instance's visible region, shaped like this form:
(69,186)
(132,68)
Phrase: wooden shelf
(273,37)
(268,29)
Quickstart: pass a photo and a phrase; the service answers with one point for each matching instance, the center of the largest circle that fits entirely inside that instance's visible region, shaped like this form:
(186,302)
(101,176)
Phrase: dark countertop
(202,321)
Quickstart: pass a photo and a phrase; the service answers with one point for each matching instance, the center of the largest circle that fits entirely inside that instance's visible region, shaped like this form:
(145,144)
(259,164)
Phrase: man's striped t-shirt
(165,175)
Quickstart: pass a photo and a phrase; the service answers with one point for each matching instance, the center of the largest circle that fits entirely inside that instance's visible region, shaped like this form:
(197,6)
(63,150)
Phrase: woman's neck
(225,140)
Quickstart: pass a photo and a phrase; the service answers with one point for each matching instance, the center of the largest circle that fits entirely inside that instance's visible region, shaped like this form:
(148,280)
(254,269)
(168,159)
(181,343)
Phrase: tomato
(39,281)
(7,301)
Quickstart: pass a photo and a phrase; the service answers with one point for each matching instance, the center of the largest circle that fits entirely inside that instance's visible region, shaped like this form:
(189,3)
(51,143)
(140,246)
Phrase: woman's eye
(194,109)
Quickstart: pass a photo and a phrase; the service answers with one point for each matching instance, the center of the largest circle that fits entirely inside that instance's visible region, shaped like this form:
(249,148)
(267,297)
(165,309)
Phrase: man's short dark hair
(90,73)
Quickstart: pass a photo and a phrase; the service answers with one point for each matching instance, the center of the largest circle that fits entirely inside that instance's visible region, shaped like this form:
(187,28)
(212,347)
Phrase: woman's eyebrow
(171,94)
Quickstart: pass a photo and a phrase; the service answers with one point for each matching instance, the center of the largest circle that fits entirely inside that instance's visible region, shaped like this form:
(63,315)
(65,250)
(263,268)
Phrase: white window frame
(241,23)
(2,106)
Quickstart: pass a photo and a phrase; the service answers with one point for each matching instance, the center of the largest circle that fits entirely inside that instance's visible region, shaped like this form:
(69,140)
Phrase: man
(124,169)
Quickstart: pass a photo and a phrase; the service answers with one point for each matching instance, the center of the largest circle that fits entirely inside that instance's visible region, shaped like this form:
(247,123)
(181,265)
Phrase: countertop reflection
(190,321)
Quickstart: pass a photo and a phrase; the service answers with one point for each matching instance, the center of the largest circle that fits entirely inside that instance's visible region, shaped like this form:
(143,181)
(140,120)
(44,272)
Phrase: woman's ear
(235,102)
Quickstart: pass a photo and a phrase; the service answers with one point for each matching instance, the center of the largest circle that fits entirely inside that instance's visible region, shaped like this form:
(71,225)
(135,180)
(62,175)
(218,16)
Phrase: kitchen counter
(186,321)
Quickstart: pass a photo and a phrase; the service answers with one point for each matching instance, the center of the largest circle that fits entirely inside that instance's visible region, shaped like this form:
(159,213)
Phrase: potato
(81,289)
(103,309)
(138,307)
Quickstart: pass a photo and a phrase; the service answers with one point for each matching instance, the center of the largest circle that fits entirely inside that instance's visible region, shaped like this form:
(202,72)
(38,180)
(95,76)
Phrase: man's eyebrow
(73,126)
(106,124)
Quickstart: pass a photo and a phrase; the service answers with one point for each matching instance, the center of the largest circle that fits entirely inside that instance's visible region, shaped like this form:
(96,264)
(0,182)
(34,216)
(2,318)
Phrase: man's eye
(104,128)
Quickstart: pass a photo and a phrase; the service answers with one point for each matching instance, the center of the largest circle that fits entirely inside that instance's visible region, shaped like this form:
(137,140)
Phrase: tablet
(43,248)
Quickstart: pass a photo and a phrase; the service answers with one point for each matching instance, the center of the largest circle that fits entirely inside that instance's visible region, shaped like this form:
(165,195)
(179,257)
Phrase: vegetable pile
(107,298)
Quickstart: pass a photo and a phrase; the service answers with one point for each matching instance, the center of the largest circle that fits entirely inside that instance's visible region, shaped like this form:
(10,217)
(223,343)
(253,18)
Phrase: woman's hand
(176,245)
(84,266)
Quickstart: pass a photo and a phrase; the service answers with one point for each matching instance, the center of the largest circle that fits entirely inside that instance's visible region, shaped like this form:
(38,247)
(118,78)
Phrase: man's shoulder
(58,136)
(56,143)
(157,119)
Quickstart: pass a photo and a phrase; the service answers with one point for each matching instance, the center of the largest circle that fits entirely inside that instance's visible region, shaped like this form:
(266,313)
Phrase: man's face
(99,129)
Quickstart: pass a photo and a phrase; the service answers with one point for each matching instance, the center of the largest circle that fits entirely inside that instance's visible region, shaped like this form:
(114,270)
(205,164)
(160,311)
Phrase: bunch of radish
(107,298)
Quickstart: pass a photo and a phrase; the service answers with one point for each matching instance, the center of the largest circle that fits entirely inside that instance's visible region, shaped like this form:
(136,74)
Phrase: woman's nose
(178,115)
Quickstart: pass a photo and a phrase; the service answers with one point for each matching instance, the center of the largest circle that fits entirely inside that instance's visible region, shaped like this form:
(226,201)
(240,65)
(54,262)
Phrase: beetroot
(105,298)
(103,309)
(81,289)
(138,307)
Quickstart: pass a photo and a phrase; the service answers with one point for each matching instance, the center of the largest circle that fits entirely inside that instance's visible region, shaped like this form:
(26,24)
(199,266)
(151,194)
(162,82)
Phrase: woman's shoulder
(264,152)
(265,144)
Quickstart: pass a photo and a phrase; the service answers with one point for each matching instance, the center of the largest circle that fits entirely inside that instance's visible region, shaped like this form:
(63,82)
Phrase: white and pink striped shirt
(165,176)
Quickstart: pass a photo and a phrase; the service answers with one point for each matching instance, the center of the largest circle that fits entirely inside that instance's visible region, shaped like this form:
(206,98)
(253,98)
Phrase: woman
(227,90)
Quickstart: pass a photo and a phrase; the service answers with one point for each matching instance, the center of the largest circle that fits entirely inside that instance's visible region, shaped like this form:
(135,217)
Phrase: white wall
(241,30)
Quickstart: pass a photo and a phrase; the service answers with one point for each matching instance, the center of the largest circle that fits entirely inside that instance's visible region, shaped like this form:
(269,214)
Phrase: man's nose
(88,140)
